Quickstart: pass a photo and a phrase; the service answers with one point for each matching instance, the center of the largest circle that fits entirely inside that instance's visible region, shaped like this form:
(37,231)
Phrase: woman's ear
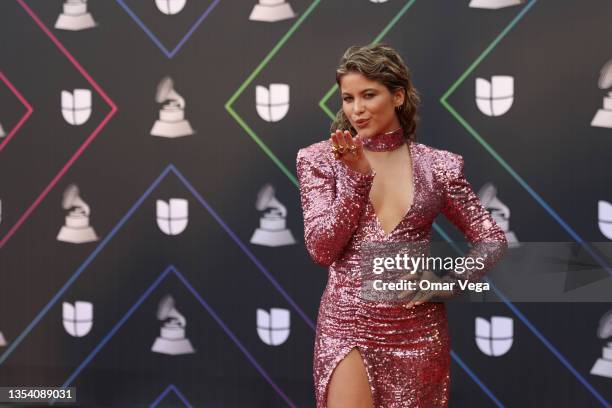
(398,97)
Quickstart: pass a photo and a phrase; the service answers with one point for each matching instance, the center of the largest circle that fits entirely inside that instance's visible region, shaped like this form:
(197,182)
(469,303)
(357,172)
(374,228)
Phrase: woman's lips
(362,123)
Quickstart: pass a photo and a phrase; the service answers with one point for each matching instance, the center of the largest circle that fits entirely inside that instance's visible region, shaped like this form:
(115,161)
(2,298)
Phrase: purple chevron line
(162,276)
(169,53)
(163,395)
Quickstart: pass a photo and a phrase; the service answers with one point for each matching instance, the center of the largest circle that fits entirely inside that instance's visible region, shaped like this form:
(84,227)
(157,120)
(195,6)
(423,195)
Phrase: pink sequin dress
(406,352)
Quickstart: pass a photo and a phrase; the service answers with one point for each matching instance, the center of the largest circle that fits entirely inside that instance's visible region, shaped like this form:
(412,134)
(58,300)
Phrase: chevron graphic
(86,143)
(169,53)
(170,388)
(25,116)
(171,270)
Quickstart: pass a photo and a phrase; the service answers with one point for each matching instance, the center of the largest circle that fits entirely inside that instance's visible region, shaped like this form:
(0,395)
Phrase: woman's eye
(369,95)
(347,99)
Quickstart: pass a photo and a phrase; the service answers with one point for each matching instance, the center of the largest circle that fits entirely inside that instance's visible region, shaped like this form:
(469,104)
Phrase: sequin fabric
(385,142)
(406,352)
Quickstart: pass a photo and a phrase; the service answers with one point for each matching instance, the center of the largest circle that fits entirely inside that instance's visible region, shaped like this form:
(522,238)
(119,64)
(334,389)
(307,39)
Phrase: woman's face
(369,105)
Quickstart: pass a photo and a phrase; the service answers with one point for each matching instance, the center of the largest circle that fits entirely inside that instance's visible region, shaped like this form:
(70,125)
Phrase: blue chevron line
(206,306)
(169,53)
(534,329)
(170,168)
(169,388)
(474,377)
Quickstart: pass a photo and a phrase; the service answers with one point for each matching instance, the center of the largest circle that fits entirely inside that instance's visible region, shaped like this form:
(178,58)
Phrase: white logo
(271,10)
(171,122)
(172,216)
(172,338)
(378,1)
(273,328)
(170,7)
(499,212)
(272,231)
(494,4)
(76,106)
(2,134)
(603,117)
(75,16)
(495,338)
(604,215)
(603,366)
(78,319)
(2,340)
(495,98)
(76,227)
(273,104)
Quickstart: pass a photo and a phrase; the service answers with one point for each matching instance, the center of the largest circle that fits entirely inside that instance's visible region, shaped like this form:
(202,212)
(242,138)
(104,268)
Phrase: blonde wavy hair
(381,63)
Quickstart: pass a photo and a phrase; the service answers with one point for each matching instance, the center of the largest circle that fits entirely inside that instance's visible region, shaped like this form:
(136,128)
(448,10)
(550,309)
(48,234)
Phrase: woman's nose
(358,106)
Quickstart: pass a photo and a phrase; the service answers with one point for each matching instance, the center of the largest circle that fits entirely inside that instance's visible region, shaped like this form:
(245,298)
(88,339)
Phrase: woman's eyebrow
(364,91)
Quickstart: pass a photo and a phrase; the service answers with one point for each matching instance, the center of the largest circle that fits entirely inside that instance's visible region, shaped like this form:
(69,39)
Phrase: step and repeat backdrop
(151,239)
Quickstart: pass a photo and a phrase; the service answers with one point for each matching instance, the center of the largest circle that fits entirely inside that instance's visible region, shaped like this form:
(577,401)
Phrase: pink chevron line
(23,119)
(87,142)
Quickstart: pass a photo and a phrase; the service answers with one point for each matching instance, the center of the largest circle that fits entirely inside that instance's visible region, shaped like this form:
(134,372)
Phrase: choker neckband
(385,142)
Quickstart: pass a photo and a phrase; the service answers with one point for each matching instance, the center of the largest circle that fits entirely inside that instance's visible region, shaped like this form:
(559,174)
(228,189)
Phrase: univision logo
(494,338)
(273,328)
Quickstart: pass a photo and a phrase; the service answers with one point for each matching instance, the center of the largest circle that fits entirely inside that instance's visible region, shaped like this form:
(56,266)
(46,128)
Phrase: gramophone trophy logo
(603,366)
(2,134)
(76,229)
(171,122)
(75,16)
(494,4)
(271,11)
(272,229)
(172,338)
(603,117)
(499,212)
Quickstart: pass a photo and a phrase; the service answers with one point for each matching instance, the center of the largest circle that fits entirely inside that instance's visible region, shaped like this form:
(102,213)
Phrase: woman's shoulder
(439,157)
(317,148)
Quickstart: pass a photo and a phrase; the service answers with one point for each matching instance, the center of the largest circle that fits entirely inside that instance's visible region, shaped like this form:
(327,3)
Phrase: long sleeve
(331,210)
(463,208)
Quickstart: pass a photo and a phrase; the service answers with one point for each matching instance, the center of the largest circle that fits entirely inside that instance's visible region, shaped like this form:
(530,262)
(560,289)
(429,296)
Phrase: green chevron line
(251,78)
(462,78)
(383,33)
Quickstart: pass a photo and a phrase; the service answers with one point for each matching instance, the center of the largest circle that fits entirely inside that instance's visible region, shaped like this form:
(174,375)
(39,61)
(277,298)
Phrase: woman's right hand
(354,157)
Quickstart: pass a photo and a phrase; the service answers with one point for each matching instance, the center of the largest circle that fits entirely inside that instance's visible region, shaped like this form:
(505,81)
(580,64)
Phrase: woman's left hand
(423,296)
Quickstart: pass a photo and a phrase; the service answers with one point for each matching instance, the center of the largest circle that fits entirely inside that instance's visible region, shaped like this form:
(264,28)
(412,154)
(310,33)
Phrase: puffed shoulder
(448,166)
(318,155)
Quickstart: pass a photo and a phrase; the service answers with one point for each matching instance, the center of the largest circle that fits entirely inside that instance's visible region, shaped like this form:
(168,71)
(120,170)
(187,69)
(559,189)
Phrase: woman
(371,182)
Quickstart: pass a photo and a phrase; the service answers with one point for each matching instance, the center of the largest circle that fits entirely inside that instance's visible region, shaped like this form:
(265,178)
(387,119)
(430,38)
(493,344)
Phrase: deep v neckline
(414,197)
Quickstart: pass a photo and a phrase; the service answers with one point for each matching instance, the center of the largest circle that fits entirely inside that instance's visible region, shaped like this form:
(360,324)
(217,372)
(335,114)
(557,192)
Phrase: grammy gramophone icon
(75,16)
(272,229)
(172,338)
(76,229)
(171,122)
(603,117)
(499,212)
(603,366)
